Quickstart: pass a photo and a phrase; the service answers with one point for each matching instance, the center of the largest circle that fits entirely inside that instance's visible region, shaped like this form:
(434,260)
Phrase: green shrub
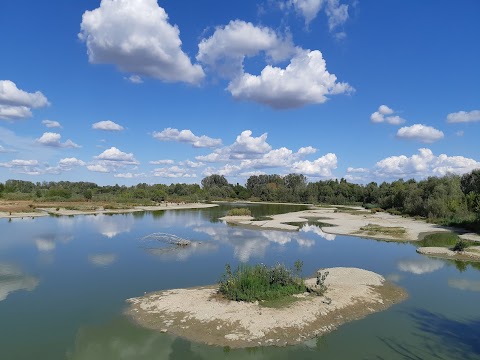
(239,212)
(259,282)
(447,239)
(461,245)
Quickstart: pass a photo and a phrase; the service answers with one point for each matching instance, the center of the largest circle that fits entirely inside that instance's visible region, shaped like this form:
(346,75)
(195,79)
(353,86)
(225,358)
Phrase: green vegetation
(259,282)
(461,245)
(443,239)
(374,229)
(239,212)
(449,200)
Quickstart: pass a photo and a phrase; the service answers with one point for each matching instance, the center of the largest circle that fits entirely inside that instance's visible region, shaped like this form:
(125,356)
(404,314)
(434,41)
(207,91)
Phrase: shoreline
(200,315)
(471,253)
(64,211)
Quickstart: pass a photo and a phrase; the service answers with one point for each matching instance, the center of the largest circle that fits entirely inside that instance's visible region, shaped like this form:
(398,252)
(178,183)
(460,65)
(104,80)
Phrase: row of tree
(449,199)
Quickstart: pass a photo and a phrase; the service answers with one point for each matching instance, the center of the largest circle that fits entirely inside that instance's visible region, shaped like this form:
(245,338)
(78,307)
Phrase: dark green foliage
(259,282)
(461,245)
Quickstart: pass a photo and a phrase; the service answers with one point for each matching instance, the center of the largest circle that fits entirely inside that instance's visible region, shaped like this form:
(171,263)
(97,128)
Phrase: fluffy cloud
(420,266)
(28,167)
(191,164)
(136,36)
(173,172)
(423,133)
(304,81)
(53,140)
(336,13)
(186,136)
(107,125)
(111,160)
(321,167)
(385,114)
(17,104)
(463,116)
(424,164)
(51,124)
(115,155)
(135,79)
(248,154)
(226,49)
(69,163)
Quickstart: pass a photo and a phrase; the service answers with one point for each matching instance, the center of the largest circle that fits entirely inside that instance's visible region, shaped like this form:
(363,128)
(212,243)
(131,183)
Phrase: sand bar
(62,211)
(471,253)
(351,223)
(201,315)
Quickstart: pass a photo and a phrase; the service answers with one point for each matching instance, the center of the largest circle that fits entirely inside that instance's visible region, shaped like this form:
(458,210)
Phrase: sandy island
(471,253)
(64,210)
(350,221)
(201,315)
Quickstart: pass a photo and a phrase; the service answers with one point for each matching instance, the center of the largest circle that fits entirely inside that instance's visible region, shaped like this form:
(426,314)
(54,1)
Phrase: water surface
(64,281)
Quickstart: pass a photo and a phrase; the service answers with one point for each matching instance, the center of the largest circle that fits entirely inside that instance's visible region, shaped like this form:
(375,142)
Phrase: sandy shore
(471,253)
(201,315)
(62,211)
(350,223)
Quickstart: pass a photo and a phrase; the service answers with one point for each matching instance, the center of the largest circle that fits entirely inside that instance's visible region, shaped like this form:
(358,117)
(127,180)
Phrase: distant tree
(87,194)
(214,180)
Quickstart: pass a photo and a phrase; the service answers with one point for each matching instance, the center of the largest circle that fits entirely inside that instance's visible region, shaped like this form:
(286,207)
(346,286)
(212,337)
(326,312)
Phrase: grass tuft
(239,212)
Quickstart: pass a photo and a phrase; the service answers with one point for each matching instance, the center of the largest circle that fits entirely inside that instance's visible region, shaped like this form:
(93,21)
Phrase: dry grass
(374,229)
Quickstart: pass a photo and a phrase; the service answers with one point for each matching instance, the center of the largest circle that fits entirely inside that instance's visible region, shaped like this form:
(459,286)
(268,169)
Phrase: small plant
(461,245)
(320,286)
(239,212)
(259,282)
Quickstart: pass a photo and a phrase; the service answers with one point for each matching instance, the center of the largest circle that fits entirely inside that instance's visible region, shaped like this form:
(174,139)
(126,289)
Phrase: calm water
(64,281)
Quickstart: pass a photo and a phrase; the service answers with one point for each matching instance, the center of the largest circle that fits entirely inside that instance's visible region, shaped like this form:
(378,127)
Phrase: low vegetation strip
(374,229)
(239,212)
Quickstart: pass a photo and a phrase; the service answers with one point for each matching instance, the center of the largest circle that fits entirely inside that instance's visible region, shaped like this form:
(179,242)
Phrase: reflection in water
(107,225)
(247,243)
(318,231)
(12,279)
(421,265)
(440,338)
(394,277)
(45,245)
(464,284)
(102,259)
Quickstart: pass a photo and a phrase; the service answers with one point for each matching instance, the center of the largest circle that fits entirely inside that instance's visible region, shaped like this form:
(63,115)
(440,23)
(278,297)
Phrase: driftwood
(169,239)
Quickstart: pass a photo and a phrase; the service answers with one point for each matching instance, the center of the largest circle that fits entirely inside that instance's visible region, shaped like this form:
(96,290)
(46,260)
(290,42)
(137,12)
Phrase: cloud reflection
(248,243)
(13,279)
(420,266)
(464,284)
(318,231)
(102,260)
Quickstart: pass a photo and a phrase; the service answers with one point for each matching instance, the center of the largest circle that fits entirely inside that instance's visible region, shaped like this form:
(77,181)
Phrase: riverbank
(21,209)
(202,315)
(354,221)
(471,253)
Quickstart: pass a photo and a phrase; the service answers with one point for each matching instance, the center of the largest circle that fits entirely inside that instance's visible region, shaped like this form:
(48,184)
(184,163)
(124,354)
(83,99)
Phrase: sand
(471,253)
(350,223)
(201,315)
(45,211)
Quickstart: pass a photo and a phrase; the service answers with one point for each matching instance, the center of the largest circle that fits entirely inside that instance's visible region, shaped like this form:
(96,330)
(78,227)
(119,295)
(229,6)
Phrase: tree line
(451,199)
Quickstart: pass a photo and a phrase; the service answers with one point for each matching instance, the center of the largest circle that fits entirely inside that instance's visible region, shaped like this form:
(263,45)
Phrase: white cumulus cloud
(321,167)
(114,154)
(226,49)
(162,162)
(464,116)
(16,103)
(107,125)
(304,81)
(423,133)
(54,140)
(173,172)
(186,136)
(424,164)
(385,114)
(137,37)
(51,124)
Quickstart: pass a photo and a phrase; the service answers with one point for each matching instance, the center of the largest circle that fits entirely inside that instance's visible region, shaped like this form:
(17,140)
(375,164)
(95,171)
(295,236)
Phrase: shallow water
(64,281)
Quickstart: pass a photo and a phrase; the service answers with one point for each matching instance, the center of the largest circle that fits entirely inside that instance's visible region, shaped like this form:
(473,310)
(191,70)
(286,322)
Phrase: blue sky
(128,91)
